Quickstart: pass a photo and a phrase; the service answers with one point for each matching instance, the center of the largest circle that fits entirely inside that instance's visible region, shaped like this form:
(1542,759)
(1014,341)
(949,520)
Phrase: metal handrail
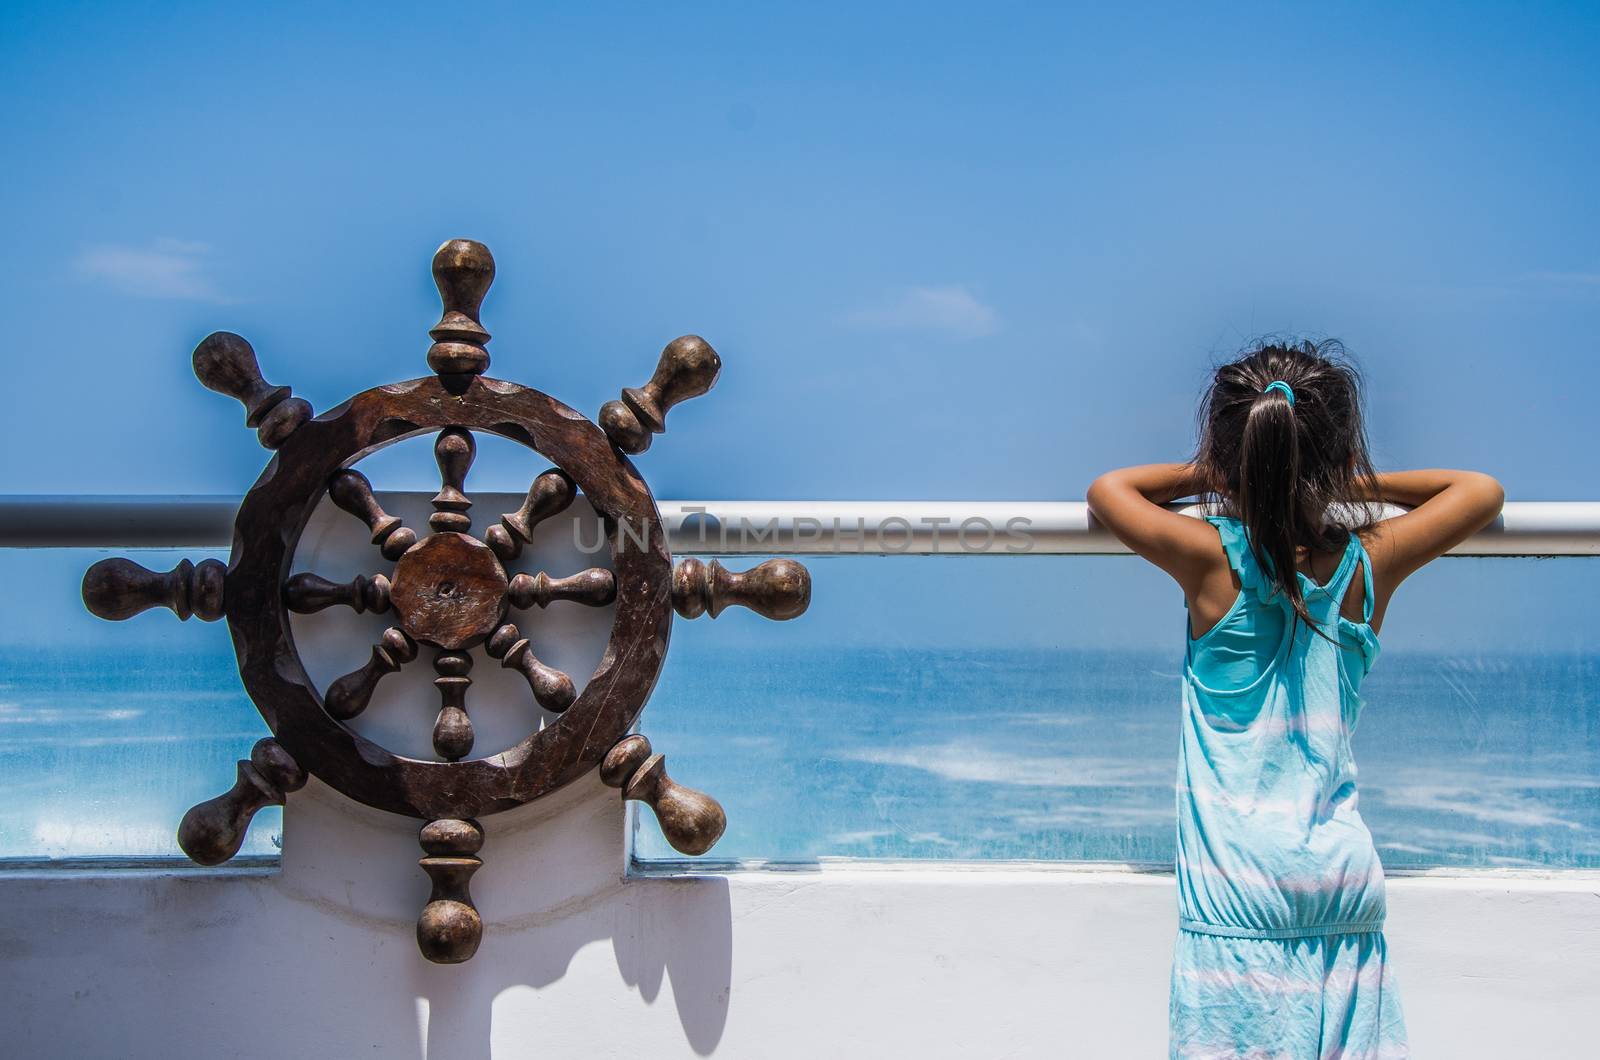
(878,527)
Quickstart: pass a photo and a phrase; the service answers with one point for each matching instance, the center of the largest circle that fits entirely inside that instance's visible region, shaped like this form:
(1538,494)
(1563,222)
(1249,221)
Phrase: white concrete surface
(868,961)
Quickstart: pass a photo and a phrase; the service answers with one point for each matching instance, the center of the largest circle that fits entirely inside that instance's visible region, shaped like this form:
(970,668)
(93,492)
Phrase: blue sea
(1031,754)
(822,752)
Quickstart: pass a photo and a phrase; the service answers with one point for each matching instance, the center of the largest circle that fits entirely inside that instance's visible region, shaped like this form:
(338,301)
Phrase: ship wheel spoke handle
(213,831)
(117,589)
(691,820)
(779,589)
(446,590)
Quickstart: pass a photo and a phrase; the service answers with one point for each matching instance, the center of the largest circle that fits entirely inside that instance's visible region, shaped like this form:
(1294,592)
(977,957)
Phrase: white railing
(879,527)
(1538,528)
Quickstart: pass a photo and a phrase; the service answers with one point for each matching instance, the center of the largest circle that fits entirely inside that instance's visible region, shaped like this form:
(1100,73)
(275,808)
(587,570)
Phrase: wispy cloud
(951,311)
(167,268)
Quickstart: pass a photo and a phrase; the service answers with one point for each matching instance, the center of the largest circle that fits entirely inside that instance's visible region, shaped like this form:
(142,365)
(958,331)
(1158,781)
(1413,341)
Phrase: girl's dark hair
(1280,467)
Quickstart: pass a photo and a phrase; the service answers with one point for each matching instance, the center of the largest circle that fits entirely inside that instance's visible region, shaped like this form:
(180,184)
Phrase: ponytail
(1269,496)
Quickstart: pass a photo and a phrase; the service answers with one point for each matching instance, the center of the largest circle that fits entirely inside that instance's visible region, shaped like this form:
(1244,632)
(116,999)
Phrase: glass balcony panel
(927,707)
(109,732)
(1004,707)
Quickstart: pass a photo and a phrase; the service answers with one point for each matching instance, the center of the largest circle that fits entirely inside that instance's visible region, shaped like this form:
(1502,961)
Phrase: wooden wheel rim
(267,531)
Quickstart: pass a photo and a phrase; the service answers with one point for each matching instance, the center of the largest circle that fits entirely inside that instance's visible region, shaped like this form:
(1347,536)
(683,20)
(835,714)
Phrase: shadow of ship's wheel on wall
(448,591)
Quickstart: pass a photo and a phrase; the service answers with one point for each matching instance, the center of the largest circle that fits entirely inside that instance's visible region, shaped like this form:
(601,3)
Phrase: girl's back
(1270,843)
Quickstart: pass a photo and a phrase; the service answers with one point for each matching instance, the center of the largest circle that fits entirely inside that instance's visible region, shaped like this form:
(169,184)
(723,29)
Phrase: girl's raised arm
(1448,507)
(1128,502)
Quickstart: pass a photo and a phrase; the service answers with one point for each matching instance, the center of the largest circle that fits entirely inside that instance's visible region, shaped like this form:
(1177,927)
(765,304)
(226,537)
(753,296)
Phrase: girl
(1280,950)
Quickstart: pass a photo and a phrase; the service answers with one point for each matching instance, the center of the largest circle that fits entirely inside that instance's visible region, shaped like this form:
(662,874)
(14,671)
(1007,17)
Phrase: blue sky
(946,251)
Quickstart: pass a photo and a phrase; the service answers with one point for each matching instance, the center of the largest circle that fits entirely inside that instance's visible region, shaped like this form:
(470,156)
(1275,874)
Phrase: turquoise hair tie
(1284,388)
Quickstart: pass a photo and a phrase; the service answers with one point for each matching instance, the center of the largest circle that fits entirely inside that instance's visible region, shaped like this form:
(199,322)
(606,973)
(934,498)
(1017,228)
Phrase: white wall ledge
(850,959)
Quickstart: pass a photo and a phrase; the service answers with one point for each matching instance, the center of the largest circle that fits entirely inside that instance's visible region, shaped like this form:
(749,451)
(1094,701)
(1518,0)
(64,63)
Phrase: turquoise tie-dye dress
(1280,952)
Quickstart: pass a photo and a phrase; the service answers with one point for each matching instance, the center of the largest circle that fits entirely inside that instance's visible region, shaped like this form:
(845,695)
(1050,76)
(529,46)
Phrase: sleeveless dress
(1280,952)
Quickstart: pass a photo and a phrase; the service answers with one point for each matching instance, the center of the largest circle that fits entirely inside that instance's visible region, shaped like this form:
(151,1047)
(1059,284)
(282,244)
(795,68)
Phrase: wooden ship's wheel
(449,591)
